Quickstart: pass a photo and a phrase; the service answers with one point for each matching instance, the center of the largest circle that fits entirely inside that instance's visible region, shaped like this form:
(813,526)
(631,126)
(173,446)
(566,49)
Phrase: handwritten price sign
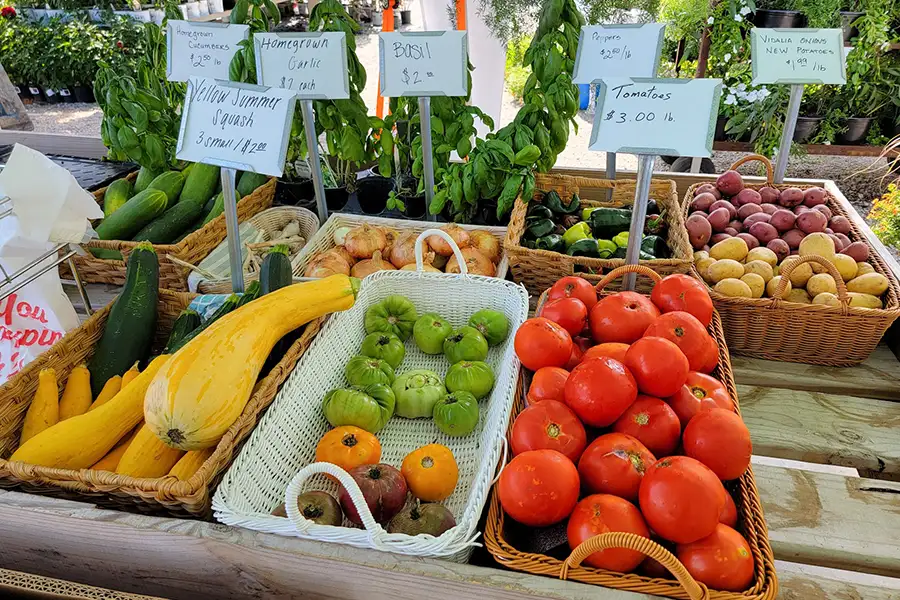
(235,125)
(423,63)
(675,117)
(798,56)
(618,51)
(314,65)
(201,49)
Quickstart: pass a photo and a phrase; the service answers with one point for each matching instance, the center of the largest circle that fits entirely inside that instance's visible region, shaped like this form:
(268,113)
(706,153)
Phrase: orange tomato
(430,472)
(614,350)
(547,384)
(348,447)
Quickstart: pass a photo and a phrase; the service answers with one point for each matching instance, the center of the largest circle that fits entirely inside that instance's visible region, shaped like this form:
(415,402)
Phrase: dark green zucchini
(186,322)
(231,302)
(250,294)
(276,269)
(175,221)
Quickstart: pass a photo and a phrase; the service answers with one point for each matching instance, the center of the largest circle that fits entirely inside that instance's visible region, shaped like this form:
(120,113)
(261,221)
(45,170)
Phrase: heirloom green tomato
(492,324)
(394,314)
(367,407)
(471,376)
(466,343)
(456,414)
(365,370)
(385,346)
(430,331)
(417,392)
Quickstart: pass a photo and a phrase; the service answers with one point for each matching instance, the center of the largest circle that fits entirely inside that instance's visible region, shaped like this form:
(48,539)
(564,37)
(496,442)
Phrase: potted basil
(850,14)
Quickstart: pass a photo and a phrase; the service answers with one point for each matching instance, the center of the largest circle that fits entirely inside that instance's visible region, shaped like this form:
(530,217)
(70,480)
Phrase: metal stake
(312,146)
(80,286)
(231,228)
(787,135)
(638,215)
(427,153)
(610,172)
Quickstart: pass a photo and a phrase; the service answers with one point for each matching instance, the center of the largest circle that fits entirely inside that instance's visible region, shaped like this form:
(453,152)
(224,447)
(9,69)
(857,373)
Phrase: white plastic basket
(275,463)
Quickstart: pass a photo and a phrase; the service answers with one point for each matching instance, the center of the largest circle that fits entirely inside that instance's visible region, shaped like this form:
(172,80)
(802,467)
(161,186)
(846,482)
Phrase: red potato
(770,209)
(731,231)
(736,225)
(814,196)
(724,204)
(812,221)
(703,202)
(799,210)
(764,232)
(730,183)
(699,230)
(793,238)
(839,224)
(791,197)
(719,219)
(759,217)
(748,209)
(708,188)
(718,237)
(747,196)
(794,253)
(783,220)
(769,195)
(780,248)
(824,210)
(846,241)
(858,251)
(838,244)
(752,242)
(829,230)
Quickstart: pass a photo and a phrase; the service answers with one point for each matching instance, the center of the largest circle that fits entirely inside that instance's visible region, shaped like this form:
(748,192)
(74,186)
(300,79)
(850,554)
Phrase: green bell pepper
(576,232)
(584,247)
(552,242)
(539,210)
(621,239)
(655,246)
(537,227)
(607,222)
(606,248)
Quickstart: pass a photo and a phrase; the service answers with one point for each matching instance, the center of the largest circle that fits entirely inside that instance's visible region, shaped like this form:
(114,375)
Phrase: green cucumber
(144,177)
(231,302)
(187,170)
(106,253)
(172,223)
(249,181)
(186,322)
(134,214)
(117,193)
(275,272)
(169,182)
(131,322)
(219,206)
(200,184)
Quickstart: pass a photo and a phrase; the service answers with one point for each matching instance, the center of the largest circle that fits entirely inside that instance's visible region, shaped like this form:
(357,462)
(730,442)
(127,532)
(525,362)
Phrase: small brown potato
(827,299)
(769,195)
(800,274)
(814,196)
(747,196)
(846,266)
(751,241)
(764,232)
(698,254)
(761,268)
(734,288)
(702,267)
(773,285)
(817,268)
(822,282)
(763,254)
(749,209)
(755,283)
(703,201)
(734,248)
(725,269)
(871,283)
(776,270)
(707,188)
(863,268)
(817,244)
(730,183)
(864,300)
(699,230)
(719,219)
(797,295)
(724,204)
(858,250)
(824,210)
(811,221)
(791,197)
(839,224)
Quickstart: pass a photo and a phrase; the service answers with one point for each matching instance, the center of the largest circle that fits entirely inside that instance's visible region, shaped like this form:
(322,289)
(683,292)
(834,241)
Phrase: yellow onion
(478,263)
(371,265)
(459,235)
(403,251)
(340,234)
(439,261)
(486,243)
(363,241)
(391,235)
(327,264)
(425,267)
(342,252)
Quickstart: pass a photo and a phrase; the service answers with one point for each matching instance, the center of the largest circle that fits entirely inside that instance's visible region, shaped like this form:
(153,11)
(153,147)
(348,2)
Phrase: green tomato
(456,414)
(417,392)
(367,407)
(394,314)
(365,370)
(465,343)
(471,376)
(430,331)
(493,325)
(385,346)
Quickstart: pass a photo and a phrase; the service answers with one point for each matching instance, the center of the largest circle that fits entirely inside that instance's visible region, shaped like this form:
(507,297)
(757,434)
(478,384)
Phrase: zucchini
(249,181)
(169,182)
(134,214)
(253,291)
(275,272)
(172,223)
(117,193)
(607,222)
(231,302)
(219,206)
(186,322)
(200,184)
(144,177)
(131,322)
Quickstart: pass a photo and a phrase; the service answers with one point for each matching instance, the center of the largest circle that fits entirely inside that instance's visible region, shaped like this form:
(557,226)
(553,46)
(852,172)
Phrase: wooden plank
(823,428)
(51,143)
(831,520)
(805,582)
(817,149)
(877,377)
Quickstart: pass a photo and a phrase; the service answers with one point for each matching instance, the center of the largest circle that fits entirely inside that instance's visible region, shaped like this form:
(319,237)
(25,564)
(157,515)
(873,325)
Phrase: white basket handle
(420,262)
(376,532)
(502,463)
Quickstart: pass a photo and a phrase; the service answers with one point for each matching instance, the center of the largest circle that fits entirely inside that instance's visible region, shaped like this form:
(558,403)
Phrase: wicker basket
(178,498)
(269,221)
(191,249)
(815,334)
(537,270)
(324,239)
(752,524)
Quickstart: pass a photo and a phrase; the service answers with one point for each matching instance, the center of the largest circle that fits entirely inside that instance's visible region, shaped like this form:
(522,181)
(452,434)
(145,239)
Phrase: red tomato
(658,366)
(653,568)
(721,560)
(699,392)
(614,464)
(719,439)
(710,357)
(681,499)
(611,349)
(539,488)
(571,313)
(622,317)
(685,331)
(575,358)
(603,513)
(549,425)
(574,287)
(583,342)
(540,343)
(653,423)
(683,292)
(728,516)
(599,390)
(547,384)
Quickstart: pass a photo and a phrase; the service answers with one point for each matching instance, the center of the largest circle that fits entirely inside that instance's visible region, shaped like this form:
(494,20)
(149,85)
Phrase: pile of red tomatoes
(631,375)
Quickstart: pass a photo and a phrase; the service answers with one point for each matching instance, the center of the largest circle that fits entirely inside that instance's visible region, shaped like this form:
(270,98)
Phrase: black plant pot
(857,129)
(720,130)
(847,18)
(65,95)
(296,193)
(785,19)
(84,93)
(36,95)
(372,193)
(806,128)
(406,17)
(336,198)
(24,93)
(415,206)
(50,96)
